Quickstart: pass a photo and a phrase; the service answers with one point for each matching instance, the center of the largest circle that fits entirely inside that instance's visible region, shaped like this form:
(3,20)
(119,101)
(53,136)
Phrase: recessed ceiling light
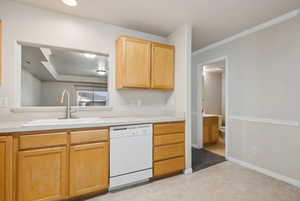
(70,2)
(101,72)
(90,56)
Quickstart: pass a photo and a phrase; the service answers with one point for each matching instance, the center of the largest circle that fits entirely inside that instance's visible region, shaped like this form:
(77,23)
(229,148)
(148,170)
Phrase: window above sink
(46,71)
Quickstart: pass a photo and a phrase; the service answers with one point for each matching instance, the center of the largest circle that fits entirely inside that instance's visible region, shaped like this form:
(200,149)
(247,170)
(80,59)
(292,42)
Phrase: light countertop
(211,115)
(18,126)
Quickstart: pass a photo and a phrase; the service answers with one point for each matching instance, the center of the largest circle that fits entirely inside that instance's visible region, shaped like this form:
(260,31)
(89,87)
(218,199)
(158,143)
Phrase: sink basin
(50,122)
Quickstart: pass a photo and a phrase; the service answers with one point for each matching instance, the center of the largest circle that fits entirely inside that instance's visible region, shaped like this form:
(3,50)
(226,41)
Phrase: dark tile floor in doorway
(202,158)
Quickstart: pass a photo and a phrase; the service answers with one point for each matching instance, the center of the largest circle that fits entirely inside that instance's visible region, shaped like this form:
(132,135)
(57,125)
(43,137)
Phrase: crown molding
(247,32)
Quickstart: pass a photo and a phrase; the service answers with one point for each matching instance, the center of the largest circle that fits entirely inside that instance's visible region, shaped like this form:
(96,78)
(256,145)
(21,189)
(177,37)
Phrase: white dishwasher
(130,155)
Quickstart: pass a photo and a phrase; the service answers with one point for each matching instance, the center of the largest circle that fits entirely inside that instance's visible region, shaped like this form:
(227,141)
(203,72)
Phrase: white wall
(32,25)
(212,89)
(182,38)
(28,24)
(223,106)
(31,89)
(263,75)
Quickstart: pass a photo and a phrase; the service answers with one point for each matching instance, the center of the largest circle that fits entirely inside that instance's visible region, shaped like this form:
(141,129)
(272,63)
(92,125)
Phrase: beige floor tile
(222,182)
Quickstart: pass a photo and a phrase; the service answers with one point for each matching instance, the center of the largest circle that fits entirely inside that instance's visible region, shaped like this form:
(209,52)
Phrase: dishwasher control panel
(127,131)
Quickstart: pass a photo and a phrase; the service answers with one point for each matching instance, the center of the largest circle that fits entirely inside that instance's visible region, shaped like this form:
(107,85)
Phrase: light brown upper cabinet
(162,66)
(133,63)
(144,64)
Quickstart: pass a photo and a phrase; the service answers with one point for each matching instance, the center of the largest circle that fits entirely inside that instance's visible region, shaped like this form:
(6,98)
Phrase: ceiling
(64,62)
(76,63)
(31,62)
(212,20)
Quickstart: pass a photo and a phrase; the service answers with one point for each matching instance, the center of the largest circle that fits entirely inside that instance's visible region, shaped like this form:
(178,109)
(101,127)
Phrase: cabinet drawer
(168,139)
(168,151)
(160,129)
(42,140)
(168,166)
(80,137)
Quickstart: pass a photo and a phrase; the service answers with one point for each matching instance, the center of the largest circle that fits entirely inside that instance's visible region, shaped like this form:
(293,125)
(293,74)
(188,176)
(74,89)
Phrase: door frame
(200,104)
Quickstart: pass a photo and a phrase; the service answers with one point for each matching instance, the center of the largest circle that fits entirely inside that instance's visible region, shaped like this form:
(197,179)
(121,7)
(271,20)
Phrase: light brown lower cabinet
(5,168)
(168,148)
(42,174)
(166,167)
(88,168)
(51,168)
(54,166)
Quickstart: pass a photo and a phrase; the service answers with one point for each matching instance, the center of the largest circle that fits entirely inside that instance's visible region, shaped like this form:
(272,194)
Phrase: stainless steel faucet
(69,111)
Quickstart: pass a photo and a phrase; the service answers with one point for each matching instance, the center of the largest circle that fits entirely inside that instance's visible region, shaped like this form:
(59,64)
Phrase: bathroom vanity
(57,164)
(210,129)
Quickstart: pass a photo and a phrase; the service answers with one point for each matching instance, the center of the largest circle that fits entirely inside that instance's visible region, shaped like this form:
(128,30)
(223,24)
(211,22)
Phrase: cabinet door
(1,52)
(210,130)
(162,76)
(133,63)
(214,131)
(5,168)
(206,133)
(88,168)
(42,174)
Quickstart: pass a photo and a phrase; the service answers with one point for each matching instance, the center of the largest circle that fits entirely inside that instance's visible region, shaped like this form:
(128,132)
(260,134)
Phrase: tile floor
(201,158)
(223,182)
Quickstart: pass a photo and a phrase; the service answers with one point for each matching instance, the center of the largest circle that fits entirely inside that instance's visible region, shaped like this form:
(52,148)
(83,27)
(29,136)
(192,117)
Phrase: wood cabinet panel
(168,148)
(169,166)
(133,63)
(162,66)
(214,132)
(144,64)
(168,151)
(42,174)
(168,128)
(210,130)
(88,168)
(168,139)
(1,52)
(5,168)
(42,140)
(206,134)
(89,136)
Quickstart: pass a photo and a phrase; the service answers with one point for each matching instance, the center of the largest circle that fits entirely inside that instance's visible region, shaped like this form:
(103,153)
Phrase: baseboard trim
(188,171)
(196,146)
(270,173)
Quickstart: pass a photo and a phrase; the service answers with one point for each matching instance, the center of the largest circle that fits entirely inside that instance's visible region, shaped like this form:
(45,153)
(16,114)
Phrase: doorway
(211,114)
